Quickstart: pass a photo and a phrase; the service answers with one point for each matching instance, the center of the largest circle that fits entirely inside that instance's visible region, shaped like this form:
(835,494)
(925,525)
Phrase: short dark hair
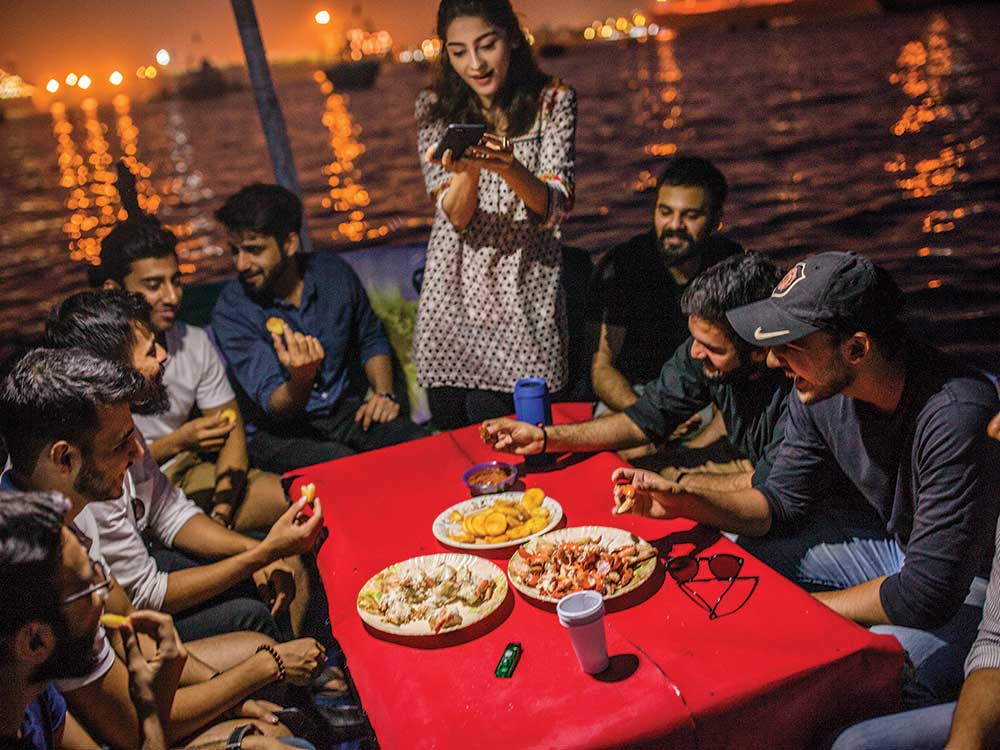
(736,281)
(694,171)
(100,321)
(30,561)
(264,209)
(879,314)
(53,394)
(127,242)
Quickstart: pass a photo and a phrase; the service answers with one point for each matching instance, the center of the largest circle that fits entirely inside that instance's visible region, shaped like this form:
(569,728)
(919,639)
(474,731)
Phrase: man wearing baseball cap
(906,425)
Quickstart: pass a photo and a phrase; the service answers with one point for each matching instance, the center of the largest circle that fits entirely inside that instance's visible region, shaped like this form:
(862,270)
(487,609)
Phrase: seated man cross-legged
(65,415)
(906,425)
(302,341)
(712,367)
(205,456)
(210,577)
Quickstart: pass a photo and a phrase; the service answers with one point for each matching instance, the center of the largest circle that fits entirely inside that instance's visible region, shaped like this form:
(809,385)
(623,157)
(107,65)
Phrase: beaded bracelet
(277,658)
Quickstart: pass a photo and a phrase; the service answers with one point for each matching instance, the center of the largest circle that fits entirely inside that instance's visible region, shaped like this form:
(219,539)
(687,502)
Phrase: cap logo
(793,277)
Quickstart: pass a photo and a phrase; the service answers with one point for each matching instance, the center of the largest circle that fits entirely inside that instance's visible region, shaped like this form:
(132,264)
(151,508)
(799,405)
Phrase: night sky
(47,39)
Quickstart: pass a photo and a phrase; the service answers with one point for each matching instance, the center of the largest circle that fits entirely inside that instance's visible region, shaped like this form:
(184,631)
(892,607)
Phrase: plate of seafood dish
(497,521)
(610,561)
(432,594)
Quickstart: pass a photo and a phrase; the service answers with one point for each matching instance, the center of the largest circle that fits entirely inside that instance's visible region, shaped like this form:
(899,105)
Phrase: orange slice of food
(275,325)
(229,415)
(112,622)
(495,523)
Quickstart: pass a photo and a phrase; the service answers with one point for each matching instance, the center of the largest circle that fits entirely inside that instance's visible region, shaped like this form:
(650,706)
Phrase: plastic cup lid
(581,608)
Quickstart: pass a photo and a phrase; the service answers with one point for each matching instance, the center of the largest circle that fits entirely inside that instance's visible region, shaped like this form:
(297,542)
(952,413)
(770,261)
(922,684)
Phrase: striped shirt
(985,652)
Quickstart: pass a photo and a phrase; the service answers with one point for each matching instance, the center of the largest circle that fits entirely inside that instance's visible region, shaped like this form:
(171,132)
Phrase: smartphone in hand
(459,137)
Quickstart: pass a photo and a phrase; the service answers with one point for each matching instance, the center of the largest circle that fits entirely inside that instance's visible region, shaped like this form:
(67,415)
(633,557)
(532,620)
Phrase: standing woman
(492,309)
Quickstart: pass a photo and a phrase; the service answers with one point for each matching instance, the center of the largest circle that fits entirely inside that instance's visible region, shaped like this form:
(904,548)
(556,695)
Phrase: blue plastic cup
(532,405)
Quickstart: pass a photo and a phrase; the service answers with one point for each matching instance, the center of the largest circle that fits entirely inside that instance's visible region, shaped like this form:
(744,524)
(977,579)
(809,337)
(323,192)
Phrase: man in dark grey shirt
(907,426)
(712,366)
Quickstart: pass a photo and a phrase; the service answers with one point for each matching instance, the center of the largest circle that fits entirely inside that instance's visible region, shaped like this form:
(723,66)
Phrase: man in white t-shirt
(65,415)
(206,456)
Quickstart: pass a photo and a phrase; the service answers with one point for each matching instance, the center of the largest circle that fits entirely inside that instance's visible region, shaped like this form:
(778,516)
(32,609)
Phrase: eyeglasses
(100,585)
(723,567)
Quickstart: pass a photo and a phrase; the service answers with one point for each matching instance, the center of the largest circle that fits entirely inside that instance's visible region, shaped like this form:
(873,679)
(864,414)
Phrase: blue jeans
(842,547)
(922,729)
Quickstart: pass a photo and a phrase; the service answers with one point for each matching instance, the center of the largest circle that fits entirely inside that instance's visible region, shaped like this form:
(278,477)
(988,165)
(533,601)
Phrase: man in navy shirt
(302,341)
(906,425)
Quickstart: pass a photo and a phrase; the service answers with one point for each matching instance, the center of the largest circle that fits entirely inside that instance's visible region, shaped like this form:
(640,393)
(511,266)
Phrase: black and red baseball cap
(842,292)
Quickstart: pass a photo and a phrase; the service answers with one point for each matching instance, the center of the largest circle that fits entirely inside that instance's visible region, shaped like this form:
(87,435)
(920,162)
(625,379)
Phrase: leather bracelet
(277,658)
(390,396)
(545,436)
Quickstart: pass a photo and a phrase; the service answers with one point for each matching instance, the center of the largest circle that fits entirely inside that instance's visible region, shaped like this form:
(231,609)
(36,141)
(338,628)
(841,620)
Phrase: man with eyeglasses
(65,416)
(906,425)
(51,597)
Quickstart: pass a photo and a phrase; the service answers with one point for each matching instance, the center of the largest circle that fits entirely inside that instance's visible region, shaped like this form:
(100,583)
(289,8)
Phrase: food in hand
(436,596)
(501,521)
(308,493)
(624,498)
(112,622)
(229,415)
(275,325)
(556,570)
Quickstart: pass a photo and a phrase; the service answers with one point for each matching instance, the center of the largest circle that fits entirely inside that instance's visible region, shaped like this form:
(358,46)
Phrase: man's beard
(674,256)
(266,289)
(91,484)
(73,656)
(154,399)
(746,370)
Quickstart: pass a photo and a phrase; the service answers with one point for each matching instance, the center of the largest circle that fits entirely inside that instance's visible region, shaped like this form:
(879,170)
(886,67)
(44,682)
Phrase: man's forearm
(611,432)
(378,370)
(290,399)
(977,715)
(714,483)
(202,537)
(612,387)
(743,511)
(861,603)
(191,586)
(165,448)
(197,705)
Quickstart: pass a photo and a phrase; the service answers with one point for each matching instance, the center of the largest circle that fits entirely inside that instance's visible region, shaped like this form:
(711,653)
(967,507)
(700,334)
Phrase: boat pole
(271,117)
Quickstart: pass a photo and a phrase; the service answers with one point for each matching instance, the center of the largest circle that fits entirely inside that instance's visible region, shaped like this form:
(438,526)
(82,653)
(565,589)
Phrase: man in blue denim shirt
(302,341)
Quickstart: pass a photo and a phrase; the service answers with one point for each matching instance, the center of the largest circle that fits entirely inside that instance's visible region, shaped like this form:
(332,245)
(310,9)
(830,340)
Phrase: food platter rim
(494,602)
(646,568)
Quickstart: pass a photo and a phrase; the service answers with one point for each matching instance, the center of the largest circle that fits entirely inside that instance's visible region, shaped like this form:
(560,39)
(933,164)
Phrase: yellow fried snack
(112,622)
(495,524)
(533,498)
(275,325)
(229,415)
(501,521)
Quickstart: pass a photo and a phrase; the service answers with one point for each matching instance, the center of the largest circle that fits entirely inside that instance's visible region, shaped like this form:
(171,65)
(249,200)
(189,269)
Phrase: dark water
(876,135)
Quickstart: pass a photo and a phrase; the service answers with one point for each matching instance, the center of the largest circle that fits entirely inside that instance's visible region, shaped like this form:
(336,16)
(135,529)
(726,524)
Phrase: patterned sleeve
(429,133)
(558,161)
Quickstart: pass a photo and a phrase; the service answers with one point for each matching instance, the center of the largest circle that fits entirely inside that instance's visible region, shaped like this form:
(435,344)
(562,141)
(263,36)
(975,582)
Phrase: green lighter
(507,663)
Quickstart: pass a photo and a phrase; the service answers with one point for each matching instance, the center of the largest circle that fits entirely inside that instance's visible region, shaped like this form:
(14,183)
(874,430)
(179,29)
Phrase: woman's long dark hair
(456,102)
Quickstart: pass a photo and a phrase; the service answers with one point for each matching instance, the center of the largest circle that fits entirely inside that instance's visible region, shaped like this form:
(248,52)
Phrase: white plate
(428,564)
(612,538)
(442,525)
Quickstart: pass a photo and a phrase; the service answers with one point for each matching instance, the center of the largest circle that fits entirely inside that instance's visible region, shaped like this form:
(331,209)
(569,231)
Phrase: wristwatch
(235,740)
(390,396)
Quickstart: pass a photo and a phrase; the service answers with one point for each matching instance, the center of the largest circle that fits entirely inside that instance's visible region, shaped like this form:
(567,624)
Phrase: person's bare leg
(221,652)
(263,505)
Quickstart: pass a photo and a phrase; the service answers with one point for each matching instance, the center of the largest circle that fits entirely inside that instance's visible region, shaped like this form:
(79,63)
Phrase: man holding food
(206,456)
(302,341)
(712,367)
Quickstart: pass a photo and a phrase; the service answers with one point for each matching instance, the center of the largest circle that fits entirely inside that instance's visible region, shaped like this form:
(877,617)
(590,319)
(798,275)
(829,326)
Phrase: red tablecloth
(783,671)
